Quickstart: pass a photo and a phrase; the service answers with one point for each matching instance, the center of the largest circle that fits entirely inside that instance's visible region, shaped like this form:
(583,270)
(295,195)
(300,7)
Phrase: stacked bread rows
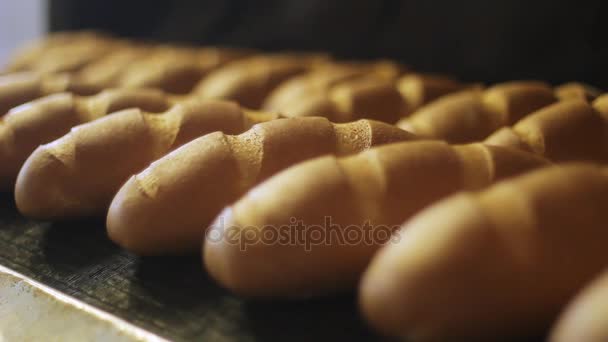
(243,153)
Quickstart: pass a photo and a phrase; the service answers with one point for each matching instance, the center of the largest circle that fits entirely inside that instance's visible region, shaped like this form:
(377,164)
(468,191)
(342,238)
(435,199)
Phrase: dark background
(480,40)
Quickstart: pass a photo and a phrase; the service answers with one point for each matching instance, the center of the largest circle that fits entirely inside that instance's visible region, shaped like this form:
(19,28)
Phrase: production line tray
(168,296)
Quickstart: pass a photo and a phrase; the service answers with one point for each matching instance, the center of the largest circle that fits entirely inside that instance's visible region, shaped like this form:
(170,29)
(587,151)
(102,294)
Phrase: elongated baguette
(344,94)
(74,57)
(56,181)
(172,70)
(307,94)
(176,70)
(576,90)
(27,57)
(251,80)
(352,203)
(569,130)
(601,105)
(61,52)
(26,127)
(107,71)
(420,89)
(586,317)
(368,97)
(19,88)
(473,115)
(501,262)
(167,207)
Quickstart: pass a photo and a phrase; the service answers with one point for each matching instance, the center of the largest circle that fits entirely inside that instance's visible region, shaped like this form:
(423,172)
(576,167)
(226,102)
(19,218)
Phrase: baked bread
(19,88)
(176,70)
(170,69)
(577,90)
(344,93)
(166,208)
(419,89)
(472,115)
(500,262)
(569,130)
(308,94)
(62,52)
(249,81)
(78,174)
(41,121)
(368,195)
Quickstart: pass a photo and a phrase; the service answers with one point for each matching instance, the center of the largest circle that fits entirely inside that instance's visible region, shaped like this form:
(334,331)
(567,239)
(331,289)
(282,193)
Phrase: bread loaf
(569,130)
(586,317)
(19,88)
(176,70)
(251,80)
(420,89)
(78,174)
(500,262)
(308,94)
(576,90)
(368,97)
(26,127)
(172,70)
(472,115)
(364,195)
(107,71)
(167,207)
(601,105)
(62,52)
(346,93)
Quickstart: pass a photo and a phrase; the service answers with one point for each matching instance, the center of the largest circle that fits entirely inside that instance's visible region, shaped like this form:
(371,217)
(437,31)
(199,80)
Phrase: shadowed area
(169,296)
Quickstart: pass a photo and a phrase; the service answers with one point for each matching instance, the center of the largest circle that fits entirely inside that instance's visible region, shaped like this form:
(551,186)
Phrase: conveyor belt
(169,296)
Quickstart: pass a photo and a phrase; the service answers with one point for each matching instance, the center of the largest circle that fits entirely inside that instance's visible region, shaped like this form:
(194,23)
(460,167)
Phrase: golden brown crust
(140,222)
(346,92)
(484,253)
(26,127)
(174,70)
(107,71)
(601,105)
(65,52)
(516,99)
(250,81)
(506,136)
(570,130)
(307,94)
(28,58)
(190,179)
(576,91)
(369,97)
(18,88)
(420,89)
(459,117)
(112,148)
(473,115)
(378,188)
